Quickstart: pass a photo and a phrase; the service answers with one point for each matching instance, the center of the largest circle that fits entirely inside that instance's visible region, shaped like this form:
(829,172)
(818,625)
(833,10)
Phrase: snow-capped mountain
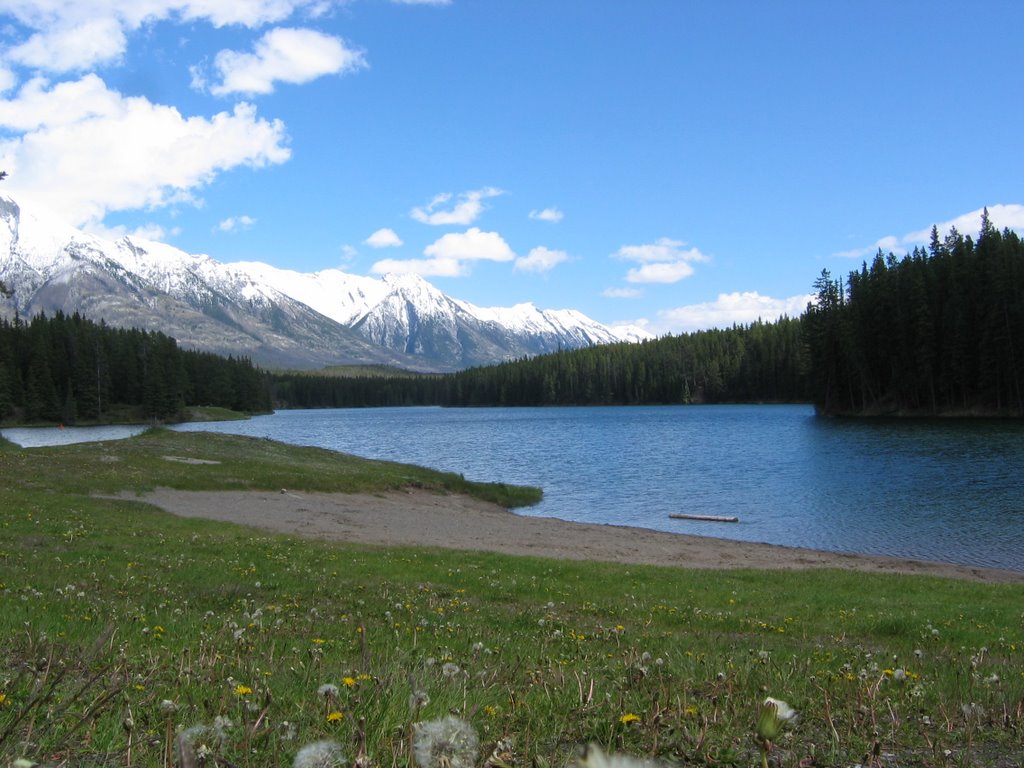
(277,317)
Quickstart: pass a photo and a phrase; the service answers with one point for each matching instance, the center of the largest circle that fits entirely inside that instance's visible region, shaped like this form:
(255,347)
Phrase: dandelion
(320,754)
(447,743)
(594,757)
(242,690)
(775,713)
(348,682)
(168,707)
(418,700)
(192,744)
(327,691)
(335,717)
(450,669)
(629,718)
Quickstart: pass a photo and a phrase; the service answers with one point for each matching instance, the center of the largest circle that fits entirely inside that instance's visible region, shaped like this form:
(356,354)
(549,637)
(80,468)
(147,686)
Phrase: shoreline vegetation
(938,332)
(129,636)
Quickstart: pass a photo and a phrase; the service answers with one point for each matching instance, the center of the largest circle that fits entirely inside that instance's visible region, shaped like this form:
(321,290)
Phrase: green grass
(110,608)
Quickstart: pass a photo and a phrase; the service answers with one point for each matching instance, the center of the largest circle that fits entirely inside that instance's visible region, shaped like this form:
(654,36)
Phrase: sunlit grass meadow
(129,637)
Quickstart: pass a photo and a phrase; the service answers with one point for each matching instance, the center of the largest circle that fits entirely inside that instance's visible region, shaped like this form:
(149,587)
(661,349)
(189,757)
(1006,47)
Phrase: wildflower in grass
(594,757)
(335,717)
(327,691)
(242,690)
(3,699)
(775,713)
(168,707)
(320,754)
(221,726)
(193,744)
(348,682)
(418,700)
(447,743)
(450,669)
(629,718)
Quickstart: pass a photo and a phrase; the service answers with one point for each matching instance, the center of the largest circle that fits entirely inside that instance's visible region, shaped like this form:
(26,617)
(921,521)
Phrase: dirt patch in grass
(423,518)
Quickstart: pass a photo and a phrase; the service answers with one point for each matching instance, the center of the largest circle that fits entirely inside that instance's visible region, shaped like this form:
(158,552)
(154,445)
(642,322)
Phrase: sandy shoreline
(420,518)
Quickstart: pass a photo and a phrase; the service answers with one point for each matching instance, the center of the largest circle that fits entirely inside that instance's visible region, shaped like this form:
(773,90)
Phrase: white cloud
(1002,217)
(348,254)
(150,231)
(93,41)
(75,35)
(660,272)
(548,214)
(471,245)
(284,55)
(727,309)
(87,150)
(451,255)
(663,249)
(540,259)
(384,238)
(466,210)
(235,223)
(440,267)
(622,293)
(7,79)
(663,261)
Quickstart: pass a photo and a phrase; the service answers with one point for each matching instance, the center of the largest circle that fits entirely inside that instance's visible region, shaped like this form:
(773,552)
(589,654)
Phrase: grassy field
(126,632)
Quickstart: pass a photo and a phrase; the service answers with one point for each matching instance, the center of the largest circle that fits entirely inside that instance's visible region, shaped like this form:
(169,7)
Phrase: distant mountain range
(277,317)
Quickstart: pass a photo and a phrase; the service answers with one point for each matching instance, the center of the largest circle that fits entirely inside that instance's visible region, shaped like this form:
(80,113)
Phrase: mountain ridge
(278,317)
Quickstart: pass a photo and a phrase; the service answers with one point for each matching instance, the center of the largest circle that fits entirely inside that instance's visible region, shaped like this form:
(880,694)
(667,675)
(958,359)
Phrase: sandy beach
(420,518)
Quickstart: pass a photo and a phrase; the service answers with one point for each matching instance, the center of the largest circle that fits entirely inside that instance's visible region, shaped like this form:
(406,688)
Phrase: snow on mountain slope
(335,294)
(273,314)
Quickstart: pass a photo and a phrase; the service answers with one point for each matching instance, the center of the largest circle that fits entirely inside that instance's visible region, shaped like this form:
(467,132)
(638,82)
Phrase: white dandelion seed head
(320,754)
(447,743)
(450,669)
(418,700)
(595,757)
(327,691)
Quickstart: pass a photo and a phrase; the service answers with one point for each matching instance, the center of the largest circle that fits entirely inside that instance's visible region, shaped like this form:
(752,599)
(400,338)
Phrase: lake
(949,490)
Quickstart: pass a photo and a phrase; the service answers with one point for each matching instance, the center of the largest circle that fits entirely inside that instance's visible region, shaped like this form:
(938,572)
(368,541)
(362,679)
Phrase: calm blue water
(938,490)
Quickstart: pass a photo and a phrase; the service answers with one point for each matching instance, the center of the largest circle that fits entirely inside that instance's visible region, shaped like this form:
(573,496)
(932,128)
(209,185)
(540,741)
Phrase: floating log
(706,518)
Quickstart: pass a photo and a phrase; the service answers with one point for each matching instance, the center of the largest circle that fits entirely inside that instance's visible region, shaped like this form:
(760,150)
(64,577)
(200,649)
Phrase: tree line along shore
(938,331)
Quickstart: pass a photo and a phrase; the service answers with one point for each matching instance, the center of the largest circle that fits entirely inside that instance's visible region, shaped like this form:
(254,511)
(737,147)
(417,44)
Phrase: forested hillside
(940,331)
(69,369)
(762,362)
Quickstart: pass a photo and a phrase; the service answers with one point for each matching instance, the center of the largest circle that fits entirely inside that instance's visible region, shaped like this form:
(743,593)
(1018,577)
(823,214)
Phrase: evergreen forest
(67,369)
(762,362)
(939,331)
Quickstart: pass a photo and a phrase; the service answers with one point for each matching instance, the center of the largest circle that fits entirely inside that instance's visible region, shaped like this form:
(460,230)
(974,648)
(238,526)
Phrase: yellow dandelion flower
(3,698)
(629,718)
(691,711)
(348,682)
(242,690)
(335,717)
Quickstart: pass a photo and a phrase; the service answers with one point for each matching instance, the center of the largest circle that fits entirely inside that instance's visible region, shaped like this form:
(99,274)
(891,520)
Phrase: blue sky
(669,163)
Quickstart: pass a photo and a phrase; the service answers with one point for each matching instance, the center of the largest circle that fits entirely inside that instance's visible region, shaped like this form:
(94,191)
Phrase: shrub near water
(130,637)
